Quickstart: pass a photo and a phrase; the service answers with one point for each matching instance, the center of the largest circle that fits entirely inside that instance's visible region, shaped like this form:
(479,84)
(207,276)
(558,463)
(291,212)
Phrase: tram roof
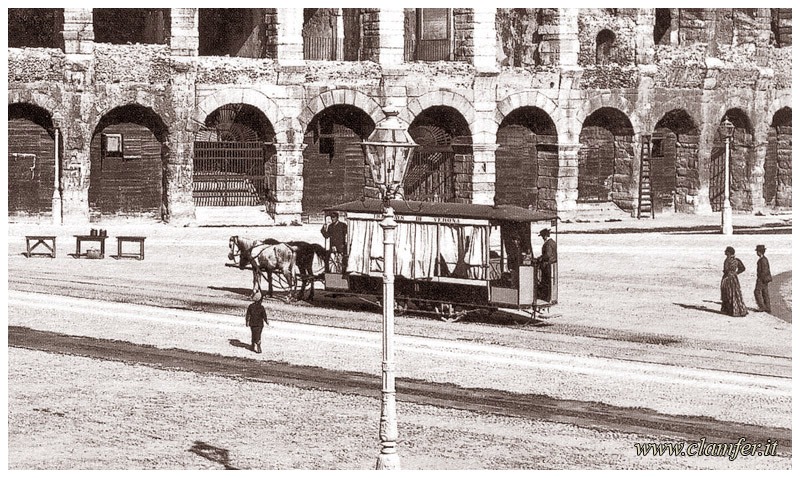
(444,209)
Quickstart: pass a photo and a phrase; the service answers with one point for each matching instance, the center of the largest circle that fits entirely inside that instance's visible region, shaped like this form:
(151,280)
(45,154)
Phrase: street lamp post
(727,211)
(387,152)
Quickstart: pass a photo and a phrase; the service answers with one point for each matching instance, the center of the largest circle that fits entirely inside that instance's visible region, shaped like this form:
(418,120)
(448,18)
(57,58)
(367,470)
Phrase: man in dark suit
(256,319)
(546,260)
(763,278)
(336,232)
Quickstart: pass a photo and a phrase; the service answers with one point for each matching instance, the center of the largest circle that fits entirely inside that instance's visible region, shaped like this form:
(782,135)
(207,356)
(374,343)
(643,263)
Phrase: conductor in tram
(336,233)
(545,261)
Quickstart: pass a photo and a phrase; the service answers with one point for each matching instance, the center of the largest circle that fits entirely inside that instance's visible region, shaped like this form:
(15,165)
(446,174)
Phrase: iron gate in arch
(234,173)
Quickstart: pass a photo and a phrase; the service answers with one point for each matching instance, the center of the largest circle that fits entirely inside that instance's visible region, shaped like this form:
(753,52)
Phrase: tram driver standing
(336,232)
(545,261)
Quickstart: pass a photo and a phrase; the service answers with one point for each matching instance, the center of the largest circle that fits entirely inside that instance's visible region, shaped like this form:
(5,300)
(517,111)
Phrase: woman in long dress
(731,291)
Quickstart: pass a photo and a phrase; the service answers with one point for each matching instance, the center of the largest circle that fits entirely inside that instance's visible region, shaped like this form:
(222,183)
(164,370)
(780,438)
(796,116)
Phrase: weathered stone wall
(609,77)
(691,26)
(31,65)
(236,71)
(746,72)
(463,41)
(370,34)
(132,64)
(783,197)
(622,24)
(686,168)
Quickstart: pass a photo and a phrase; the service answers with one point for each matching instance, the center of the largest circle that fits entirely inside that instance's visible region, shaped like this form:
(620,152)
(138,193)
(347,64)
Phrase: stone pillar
(78,31)
(483,173)
(566,195)
(289,182)
(290,36)
(179,208)
(392,36)
(75,179)
(185,36)
(484,39)
(568,45)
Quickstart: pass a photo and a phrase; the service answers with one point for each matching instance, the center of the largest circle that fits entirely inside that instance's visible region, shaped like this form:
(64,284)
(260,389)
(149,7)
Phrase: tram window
(496,266)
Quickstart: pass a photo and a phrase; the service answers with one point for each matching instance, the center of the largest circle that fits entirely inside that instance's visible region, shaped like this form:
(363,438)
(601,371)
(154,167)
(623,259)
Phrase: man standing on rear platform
(256,319)
(336,232)
(546,260)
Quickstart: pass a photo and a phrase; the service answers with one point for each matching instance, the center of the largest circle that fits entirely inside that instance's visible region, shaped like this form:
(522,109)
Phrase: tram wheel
(448,313)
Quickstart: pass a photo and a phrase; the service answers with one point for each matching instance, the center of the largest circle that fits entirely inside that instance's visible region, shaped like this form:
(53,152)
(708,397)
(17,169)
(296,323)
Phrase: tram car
(451,259)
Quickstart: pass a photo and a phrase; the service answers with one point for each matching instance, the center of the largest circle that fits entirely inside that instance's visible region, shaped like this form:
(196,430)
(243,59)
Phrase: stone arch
(333,167)
(128,163)
(784,100)
(440,98)
(777,185)
(529,98)
(247,96)
(31,161)
(608,100)
(660,110)
(526,159)
(43,101)
(742,159)
(339,96)
(674,172)
(606,158)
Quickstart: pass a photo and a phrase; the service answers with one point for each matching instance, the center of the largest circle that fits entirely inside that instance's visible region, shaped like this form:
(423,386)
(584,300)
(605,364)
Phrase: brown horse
(306,253)
(270,258)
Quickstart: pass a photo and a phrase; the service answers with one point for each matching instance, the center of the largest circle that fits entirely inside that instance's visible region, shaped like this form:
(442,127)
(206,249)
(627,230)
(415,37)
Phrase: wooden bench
(83,238)
(48,242)
(131,239)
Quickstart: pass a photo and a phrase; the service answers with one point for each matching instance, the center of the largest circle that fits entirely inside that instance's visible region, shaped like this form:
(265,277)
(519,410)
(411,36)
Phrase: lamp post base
(388,462)
(727,220)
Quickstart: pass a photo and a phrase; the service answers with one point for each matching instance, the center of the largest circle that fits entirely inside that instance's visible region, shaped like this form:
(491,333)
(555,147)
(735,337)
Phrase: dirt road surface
(638,329)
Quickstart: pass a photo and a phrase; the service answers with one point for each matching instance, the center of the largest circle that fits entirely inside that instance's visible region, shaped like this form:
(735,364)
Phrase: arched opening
(662,26)
(128,156)
(526,159)
(778,162)
(31,161)
(237,32)
(235,161)
(440,166)
(742,161)
(333,161)
(674,173)
(605,47)
(35,27)
(121,26)
(605,160)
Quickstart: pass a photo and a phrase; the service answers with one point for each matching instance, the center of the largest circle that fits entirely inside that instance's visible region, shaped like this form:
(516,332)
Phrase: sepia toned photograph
(412,239)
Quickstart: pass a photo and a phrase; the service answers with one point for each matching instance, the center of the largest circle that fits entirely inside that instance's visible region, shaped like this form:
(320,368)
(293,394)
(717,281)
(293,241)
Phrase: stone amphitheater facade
(129,113)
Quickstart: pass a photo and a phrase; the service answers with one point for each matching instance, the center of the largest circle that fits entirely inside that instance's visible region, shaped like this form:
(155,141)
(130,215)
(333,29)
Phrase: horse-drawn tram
(450,259)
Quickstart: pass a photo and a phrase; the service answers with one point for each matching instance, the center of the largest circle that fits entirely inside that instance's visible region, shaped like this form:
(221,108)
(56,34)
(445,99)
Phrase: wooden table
(81,238)
(48,242)
(131,239)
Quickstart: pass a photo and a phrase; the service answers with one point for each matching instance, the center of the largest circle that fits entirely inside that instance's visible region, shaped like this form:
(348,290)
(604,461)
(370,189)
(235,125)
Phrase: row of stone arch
(528,132)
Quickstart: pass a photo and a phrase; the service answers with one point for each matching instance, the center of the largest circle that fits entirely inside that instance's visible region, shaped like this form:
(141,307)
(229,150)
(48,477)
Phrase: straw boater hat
(761,248)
